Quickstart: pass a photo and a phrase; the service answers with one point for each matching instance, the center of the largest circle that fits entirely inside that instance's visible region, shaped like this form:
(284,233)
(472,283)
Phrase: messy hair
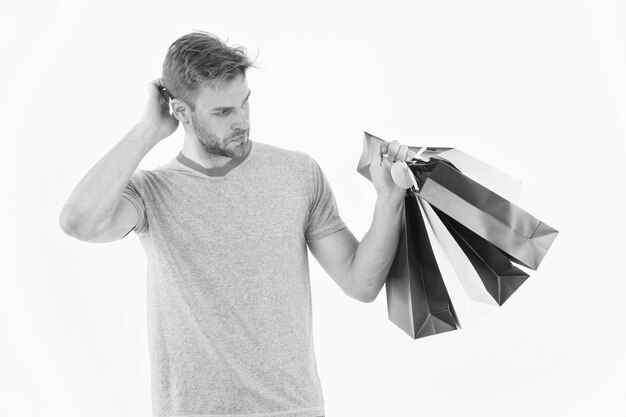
(198,59)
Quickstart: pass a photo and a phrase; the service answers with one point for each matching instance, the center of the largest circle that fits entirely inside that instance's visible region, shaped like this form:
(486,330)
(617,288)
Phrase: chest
(261,210)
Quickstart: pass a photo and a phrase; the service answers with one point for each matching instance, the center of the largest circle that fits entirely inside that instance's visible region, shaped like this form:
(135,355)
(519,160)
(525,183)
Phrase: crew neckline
(217,172)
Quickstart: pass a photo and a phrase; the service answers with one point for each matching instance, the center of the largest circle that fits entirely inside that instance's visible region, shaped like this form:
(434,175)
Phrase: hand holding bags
(461,221)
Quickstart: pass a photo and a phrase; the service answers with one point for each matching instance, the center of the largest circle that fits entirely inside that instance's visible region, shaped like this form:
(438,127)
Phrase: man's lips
(238,138)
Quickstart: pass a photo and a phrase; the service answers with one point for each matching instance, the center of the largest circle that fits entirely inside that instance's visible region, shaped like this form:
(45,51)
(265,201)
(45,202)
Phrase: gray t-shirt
(228,290)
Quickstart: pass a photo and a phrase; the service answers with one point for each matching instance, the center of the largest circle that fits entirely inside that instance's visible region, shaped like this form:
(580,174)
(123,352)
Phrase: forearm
(96,197)
(374,255)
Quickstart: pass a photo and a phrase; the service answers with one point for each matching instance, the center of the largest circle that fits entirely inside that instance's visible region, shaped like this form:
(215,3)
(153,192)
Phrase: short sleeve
(324,216)
(132,193)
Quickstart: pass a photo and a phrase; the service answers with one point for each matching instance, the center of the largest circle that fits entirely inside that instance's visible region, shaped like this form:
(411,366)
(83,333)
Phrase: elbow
(368,298)
(73,225)
(364,295)
(68,223)
(361,290)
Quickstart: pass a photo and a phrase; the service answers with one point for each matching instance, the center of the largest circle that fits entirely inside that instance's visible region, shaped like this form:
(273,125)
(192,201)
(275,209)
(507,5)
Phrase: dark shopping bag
(417,300)
(499,276)
(519,235)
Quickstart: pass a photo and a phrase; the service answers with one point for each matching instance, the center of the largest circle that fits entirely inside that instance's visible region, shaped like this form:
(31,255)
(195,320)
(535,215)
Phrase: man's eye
(223,112)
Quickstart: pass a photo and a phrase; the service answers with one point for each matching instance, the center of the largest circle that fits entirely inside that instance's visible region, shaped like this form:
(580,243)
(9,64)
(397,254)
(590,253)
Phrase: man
(225,226)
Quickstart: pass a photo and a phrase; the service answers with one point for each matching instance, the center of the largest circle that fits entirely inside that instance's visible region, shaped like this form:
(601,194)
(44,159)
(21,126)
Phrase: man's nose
(241,120)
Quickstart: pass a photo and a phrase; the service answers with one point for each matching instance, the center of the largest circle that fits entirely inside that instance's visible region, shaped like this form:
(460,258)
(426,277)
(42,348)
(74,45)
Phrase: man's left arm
(361,268)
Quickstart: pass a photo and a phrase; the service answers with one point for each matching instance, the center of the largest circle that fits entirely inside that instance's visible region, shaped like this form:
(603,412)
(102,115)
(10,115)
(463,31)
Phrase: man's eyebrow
(228,108)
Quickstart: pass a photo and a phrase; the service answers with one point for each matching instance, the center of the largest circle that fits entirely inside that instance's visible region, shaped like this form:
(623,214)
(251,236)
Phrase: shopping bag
(522,237)
(519,235)
(473,231)
(498,275)
(483,173)
(465,286)
(417,300)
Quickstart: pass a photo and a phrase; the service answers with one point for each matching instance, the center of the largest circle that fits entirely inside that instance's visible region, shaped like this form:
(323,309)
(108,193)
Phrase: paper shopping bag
(486,175)
(466,289)
(498,275)
(519,235)
(417,300)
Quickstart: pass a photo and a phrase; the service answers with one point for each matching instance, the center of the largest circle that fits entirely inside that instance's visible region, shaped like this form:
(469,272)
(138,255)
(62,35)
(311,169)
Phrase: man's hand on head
(156,118)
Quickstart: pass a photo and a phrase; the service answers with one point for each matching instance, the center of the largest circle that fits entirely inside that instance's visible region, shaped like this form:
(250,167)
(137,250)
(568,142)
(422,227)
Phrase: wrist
(146,132)
(388,211)
(390,202)
(391,199)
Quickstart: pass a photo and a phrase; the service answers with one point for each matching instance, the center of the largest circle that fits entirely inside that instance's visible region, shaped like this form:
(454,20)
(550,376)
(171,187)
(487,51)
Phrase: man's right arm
(96,210)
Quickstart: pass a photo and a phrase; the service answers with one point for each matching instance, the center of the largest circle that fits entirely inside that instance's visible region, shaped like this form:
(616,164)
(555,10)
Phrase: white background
(536,88)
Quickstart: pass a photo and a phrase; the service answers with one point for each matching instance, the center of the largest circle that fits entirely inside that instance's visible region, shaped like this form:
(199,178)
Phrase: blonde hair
(198,59)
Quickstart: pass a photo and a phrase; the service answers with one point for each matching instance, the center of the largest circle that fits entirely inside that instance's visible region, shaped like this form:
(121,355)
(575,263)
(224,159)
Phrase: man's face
(221,120)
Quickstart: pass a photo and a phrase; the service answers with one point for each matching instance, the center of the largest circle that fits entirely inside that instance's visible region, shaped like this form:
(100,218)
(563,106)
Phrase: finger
(156,83)
(410,155)
(384,147)
(155,86)
(392,152)
(402,153)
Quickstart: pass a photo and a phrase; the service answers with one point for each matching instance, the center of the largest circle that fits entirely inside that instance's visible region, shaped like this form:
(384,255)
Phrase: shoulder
(269,150)
(148,180)
(280,156)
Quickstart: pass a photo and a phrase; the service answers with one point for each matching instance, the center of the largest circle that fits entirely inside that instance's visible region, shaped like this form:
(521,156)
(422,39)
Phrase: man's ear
(181,110)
